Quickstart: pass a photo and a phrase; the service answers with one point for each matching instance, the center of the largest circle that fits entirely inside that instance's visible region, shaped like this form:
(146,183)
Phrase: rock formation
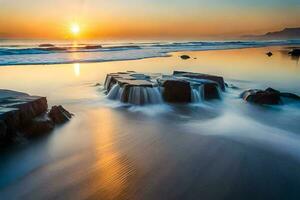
(181,87)
(269,96)
(25,115)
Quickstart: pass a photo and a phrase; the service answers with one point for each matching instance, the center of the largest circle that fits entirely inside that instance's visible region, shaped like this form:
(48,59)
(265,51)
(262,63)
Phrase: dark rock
(39,126)
(46,45)
(3,131)
(269,54)
(177,91)
(92,47)
(272,90)
(23,115)
(59,115)
(185,57)
(218,79)
(211,91)
(97,85)
(295,52)
(54,49)
(261,97)
(140,89)
(269,96)
(290,95)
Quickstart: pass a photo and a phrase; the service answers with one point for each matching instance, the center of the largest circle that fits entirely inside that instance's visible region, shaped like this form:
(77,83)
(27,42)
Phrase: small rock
(59,115)
(295,52)
(185,57)
(46,45)
(93,47)
(269,96)
(97,85)
(269,54)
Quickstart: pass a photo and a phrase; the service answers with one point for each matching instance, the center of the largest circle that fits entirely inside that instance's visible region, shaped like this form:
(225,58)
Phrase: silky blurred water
(225,149)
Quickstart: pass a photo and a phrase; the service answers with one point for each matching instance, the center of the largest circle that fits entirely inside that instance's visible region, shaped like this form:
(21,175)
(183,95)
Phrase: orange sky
(144,18)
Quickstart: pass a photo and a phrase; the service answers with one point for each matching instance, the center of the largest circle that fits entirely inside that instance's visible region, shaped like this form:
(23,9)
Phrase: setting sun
(75,29)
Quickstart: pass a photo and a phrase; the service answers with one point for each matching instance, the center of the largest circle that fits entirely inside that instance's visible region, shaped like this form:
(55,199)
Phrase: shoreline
(165,54)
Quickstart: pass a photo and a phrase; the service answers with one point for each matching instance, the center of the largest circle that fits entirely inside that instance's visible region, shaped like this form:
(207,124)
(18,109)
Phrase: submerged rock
(185,57)
(22,114)
(269,96)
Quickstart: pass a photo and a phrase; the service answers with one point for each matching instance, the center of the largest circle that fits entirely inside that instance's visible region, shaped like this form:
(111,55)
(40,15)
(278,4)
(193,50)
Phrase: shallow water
(224,149)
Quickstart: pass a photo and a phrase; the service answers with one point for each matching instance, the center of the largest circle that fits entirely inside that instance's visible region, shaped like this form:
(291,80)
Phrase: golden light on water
(77,69)
(75,29)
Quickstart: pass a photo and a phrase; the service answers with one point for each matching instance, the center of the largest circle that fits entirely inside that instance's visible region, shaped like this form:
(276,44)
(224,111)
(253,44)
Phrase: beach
(221,149)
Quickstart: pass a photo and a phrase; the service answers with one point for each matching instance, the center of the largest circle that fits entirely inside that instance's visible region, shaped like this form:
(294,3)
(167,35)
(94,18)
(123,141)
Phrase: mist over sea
(220,149)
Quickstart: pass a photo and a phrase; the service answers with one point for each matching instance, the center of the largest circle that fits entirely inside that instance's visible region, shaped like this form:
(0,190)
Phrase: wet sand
(225,149)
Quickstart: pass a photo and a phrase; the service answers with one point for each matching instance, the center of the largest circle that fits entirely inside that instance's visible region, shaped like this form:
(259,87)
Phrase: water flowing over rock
(23,115)
(133,88)
(200,76)
(181,87)
(269,96)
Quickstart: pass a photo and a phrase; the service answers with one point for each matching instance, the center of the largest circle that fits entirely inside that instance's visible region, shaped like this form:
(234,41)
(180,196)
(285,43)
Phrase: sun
(75,29)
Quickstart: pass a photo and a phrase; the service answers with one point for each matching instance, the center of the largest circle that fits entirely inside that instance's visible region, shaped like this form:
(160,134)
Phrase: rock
(217,79)
(3,131)
(97,85)
(23,115)
(261,97)
(59,115)
(269,54)
(185,57)
(39,126)
(133,88)
(290,95)
(211,91)
(92,47)
(295,52)
(46,45)
(181,87)
(176,91)
(269,96)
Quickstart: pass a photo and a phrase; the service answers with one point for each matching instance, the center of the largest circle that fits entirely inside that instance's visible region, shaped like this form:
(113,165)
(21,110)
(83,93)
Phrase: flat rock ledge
(22,115)
(269,96)
(180,87)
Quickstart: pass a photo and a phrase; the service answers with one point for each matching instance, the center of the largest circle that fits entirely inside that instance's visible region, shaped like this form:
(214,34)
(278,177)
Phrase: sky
(145,19)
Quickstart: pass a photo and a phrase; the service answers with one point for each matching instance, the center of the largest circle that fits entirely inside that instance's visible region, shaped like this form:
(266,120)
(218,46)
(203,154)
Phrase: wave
(47,53)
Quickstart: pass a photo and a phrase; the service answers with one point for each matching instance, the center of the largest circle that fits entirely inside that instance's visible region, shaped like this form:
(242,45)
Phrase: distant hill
(287,33)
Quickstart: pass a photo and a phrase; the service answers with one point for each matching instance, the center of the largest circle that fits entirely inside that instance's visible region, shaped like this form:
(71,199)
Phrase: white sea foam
(25,54)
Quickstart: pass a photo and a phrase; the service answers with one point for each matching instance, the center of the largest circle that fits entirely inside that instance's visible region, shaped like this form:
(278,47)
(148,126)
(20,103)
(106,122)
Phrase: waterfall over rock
(181,87)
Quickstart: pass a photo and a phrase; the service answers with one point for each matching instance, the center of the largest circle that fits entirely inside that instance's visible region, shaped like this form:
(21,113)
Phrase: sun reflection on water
(76,69)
